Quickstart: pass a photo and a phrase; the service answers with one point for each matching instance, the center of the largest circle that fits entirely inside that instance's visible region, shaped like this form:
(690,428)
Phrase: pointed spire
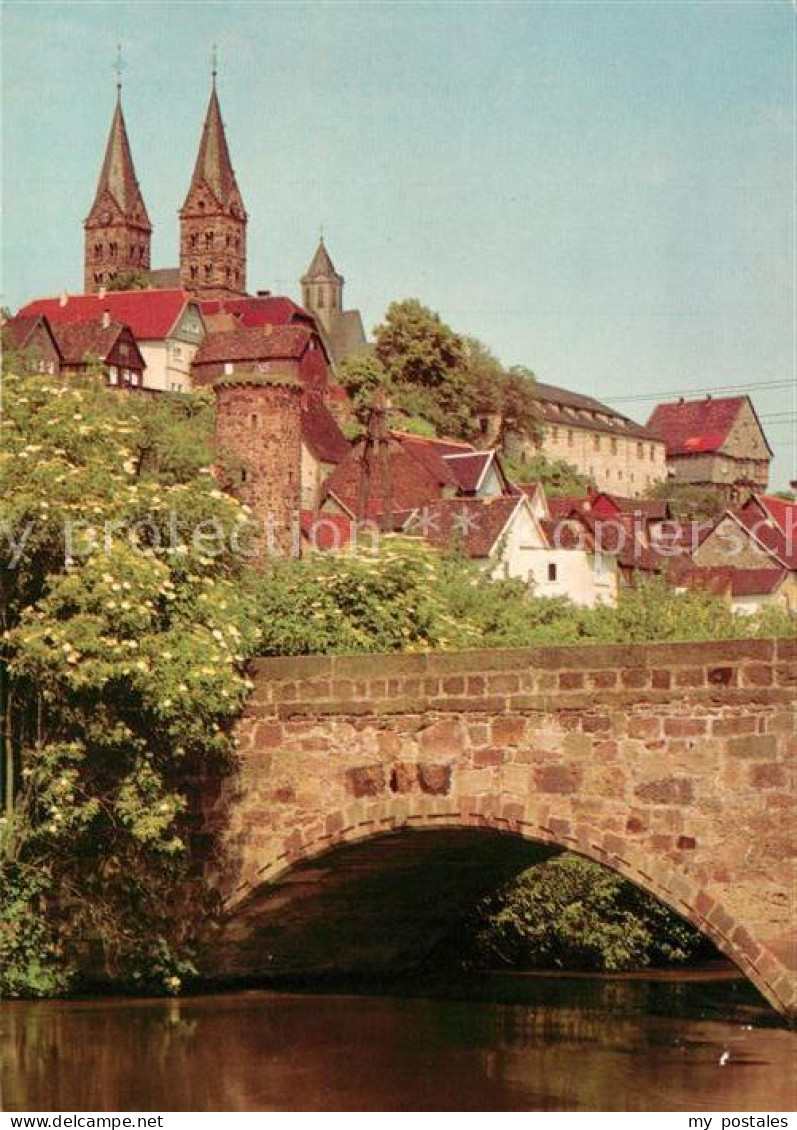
(321,267)
(213,164)
(118,174)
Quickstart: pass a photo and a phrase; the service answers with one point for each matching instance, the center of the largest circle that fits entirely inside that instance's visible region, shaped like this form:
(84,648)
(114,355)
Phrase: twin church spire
(212,219)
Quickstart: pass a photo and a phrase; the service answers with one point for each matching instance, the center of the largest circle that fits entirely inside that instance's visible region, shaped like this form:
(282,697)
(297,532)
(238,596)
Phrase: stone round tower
(259,454)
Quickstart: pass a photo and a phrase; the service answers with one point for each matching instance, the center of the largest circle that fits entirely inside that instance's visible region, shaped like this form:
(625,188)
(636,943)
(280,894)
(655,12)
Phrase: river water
(499,1043)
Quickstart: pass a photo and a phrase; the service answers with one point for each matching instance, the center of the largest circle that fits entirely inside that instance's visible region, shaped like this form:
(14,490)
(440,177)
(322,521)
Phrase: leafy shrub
(570,913)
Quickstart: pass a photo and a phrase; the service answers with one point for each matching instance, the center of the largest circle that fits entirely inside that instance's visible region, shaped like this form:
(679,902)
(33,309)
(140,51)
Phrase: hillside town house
(167,326)
(31,339)
(714,442)
(613,452)
(106,343)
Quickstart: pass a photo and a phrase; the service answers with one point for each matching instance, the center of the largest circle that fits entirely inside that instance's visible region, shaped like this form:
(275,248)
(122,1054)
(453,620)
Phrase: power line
(698,391)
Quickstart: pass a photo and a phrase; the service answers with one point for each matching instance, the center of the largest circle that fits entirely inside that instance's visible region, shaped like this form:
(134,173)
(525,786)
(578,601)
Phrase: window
(554,433)
(614,445)
(208,239)
(570,437)
(320,300)
(177,351)
(596,442)
(113,376)
(551,572)
(228,368)
(254,420)
(192,239)
(244,475)
(652,453)
(208,270)
(98,251)
(639,451)
(124,349)
(194,272)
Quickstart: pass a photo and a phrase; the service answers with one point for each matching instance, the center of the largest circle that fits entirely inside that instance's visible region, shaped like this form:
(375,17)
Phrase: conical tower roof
(321,267)
(213,164)
(118,174)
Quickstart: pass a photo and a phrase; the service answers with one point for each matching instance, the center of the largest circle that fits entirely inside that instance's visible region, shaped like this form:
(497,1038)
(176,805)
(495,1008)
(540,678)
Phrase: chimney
(106,319)
(708,396)
(682,400)
(263,293)
(64,298)
(101,292)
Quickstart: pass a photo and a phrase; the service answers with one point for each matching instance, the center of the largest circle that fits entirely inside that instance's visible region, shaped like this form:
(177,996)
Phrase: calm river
(516,1043)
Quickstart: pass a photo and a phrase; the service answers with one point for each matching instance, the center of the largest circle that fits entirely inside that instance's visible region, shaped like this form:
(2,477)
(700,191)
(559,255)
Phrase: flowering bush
(124,653)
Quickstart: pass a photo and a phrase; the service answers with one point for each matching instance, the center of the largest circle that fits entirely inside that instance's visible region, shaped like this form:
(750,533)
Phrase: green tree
(129,280)
(127,625)
(361,375)
(690,501)
(560,479)
(425,362)
(570,913)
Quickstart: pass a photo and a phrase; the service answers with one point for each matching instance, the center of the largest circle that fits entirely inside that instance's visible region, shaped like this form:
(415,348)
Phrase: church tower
(118,231)
(322,288)
(213,219)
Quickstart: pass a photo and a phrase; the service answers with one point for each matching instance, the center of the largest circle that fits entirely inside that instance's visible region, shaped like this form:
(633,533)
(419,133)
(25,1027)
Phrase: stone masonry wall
(671,763)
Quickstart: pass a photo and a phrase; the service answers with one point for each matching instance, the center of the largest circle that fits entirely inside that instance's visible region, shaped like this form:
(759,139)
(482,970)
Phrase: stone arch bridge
(378,796)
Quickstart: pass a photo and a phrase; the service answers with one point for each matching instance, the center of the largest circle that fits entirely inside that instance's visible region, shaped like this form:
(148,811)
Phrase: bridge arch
(671,764)
(671,885)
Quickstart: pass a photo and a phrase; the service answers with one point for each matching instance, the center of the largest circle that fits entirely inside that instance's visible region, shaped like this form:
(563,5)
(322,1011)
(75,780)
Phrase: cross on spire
(214,63)
(119,65)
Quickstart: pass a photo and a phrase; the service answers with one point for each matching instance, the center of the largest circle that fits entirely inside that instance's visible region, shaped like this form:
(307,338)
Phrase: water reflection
(595,1049)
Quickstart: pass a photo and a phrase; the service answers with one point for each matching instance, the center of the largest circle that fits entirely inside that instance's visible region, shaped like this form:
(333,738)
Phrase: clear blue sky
(601,191)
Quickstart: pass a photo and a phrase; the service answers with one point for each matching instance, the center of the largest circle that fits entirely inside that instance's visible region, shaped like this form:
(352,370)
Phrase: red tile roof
(327,531)
(262,310)
(470,469)
(17,330)
(780,545)
(473,525)
(561,407)
(561,507)
(756,582)
(321,433)
(84,339)
(151,314)
(715,579)
(653,509)
(782,512)
(411,481)
(255,343)
(689,427)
